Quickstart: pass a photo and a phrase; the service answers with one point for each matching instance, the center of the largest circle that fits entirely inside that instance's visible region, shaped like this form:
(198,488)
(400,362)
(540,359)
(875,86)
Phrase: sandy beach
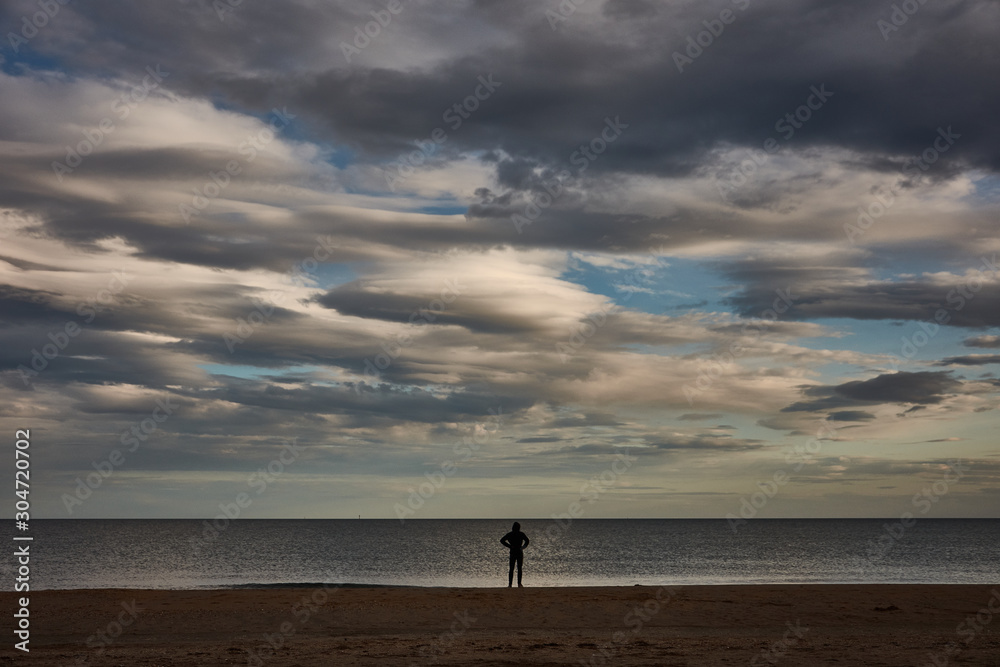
(641,625)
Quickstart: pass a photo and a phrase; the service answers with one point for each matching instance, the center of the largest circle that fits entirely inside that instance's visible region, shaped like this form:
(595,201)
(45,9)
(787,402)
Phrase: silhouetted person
(516,541)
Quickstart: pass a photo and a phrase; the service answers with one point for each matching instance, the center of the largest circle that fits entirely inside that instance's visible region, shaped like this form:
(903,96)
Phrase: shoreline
(352,585)
(623,587)
(417,587)
(852,624)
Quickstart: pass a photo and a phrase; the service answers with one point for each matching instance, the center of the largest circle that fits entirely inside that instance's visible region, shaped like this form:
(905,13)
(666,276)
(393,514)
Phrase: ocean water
(174,554)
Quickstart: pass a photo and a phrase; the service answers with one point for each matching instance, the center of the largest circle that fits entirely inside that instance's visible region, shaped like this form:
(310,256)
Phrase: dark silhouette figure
(516,541)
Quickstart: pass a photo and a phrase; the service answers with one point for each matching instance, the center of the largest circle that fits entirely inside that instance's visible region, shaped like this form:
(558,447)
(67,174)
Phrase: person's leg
(510,574)
(520,563)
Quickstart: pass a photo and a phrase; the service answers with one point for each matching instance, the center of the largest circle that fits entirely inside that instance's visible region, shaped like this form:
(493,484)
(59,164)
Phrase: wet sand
(641,625)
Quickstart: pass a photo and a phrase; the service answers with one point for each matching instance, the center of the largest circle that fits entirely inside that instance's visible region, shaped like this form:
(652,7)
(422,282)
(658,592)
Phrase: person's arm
(526,541)
(504,541)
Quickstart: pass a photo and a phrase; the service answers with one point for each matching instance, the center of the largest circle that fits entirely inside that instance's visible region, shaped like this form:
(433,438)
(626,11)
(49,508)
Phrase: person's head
(516,527)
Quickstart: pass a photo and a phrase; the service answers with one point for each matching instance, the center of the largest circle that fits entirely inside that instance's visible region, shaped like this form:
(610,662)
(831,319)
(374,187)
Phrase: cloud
(833,290)
(970,360)
(851,416)
(919,388)
(982,341)
(706,442)
(343,276)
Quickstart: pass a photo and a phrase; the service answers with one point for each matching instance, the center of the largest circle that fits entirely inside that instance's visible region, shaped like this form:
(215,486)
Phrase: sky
(607,258)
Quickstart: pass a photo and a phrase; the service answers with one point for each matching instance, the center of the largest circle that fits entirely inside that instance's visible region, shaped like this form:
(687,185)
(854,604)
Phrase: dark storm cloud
(837,287)
(921,388)
(91,357)
(206,239)
(559,85)
(970,360)
(673,117)
(19,306)
(924,387)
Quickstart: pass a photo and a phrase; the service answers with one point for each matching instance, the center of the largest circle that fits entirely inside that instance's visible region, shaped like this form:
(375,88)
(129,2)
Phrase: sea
(199,554)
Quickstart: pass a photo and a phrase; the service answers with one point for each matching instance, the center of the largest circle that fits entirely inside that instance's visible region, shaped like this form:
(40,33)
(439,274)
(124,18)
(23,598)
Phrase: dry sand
(691,625)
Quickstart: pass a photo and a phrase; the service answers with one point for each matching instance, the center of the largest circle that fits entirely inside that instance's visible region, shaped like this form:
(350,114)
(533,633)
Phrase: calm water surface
(173,554)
